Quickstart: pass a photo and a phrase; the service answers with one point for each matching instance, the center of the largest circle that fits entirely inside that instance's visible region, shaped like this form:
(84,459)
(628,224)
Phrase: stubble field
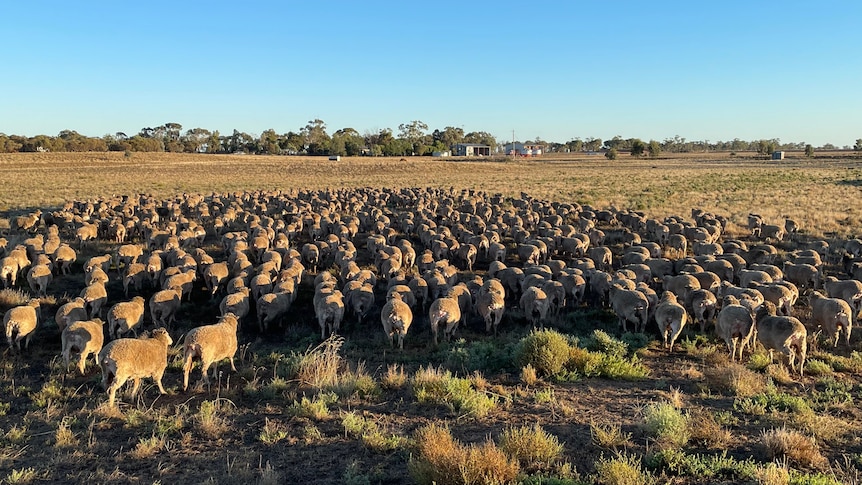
(621,411)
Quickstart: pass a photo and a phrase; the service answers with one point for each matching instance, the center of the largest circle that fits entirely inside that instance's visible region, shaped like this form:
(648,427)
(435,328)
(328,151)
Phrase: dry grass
(735,380)
(713,182)
(320,366)
(532,447)
(442,460)
(798,448)
(609,436)
(394,378)
(705,429)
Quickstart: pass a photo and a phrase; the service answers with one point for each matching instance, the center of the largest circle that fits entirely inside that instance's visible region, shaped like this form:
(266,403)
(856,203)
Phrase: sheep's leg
(187,369)
(136,386)
(112,390)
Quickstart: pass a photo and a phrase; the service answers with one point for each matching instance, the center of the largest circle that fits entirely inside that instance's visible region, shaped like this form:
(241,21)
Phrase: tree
(638,147)
(654,148)
(194,139)
(576,145)
(481,137)
(858,145)
(593,144)
(268,142)
(448,137)
(413,132)
(214,142)
(611,154)
(316,138)
(809,150)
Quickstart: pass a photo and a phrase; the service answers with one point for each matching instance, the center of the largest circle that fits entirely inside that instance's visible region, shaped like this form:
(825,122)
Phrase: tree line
(412,138)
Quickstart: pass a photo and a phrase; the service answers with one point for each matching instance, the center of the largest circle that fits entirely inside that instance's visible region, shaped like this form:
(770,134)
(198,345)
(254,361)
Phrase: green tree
(413,132)
(214,142)
(809,150)
(593,144)
(611,154)
(576,145)
(316,138)
(858,145)
(654,148)
(638,147)
(448,137)
(481,137)
(268,142)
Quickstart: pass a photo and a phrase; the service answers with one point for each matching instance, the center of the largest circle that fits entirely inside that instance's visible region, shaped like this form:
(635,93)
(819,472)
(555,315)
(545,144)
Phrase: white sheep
(671,317)
(237,303)
(703,305)
(535,304)
(9,271)
(20,323)
(126,316)
(70,312)
(848,290)
(210,343)
(272,307)
(215,276)
(735,325)
(82,339)
(329,308)
(629,306)
(444,310)
(134,277)
(95,296)
(359,299)
(183,282)
(490,305)
(131,358)
(164,305)
(783,333)
(833,315)
(64,256)
(39,276)
(396,317)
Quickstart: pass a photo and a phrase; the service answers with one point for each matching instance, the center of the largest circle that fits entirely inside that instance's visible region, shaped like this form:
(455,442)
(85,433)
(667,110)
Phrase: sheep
(83,338)
(20,323)
(184,282)
(556,293)
(575,285)
(444,310)
(747,276)
(126,316)
(359,300)
(671,317)
(681,285)
(71,312)
(467,254)
(490,305)
(629,306)
(702,305)
(96,275)
(329,309)
(771,231)
(130,358)
(833,315)
(311,255)
(9,269)
(779,295)
(237,303)
(535,304)
(396,318)
(127,254)
(404,292)
(802,275)
(103,261)
(783,333)
(272,307)
(26,223)
(215,276)
(210,343)
(529,254)
(602,257)
(848,290)
(164,305)
(64,256)
(735,325)
(39,277)
(134,277)
(95,296)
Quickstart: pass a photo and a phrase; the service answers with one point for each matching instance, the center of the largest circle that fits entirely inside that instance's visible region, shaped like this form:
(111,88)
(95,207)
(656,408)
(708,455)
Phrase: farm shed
(471,150)
(778,155)
(522,150)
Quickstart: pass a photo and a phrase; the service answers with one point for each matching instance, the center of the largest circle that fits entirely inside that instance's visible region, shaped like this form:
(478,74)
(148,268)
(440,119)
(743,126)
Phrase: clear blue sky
(555,70)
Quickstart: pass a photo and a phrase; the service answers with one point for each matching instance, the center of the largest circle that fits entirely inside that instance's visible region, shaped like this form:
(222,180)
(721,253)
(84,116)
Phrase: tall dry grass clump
(735,380)
(320,366)
(442,460)
(622,469)
(798,448)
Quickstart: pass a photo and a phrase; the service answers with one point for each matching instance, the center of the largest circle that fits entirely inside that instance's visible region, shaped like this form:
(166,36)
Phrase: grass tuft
(667,425)
(735,380)
(798,448)
(622,469)
(534,449)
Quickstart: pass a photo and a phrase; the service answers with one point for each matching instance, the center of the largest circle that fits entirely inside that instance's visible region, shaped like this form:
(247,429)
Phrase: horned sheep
(134,358)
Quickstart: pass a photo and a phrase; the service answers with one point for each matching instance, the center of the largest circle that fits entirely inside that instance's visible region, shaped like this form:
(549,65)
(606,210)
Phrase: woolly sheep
(183,282)
(131,358)
(783,333)
(359,300)
(490,305)
(330,311)
(735,325)
(164,305)
(779,295)
(272,307)
(126,316)
(671,317)
(134,277)
(396,318)
(447,312)
(211,344)
(802,275)
(95,296)
(64,256)
(103,261)
(9,271)
(215,276)
(39,277)
(848,290)
(629,306)
(237,303)
(703,305)
(70,312)
(82,339)
(833,315)
(20,323)
(535,304)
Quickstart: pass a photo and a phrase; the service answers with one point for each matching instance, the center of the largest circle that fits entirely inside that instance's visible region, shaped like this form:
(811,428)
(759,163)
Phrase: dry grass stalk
(798,448)
(735,380)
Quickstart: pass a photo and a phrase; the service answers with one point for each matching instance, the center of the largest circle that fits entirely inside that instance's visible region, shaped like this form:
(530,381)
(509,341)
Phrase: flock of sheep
(407,254)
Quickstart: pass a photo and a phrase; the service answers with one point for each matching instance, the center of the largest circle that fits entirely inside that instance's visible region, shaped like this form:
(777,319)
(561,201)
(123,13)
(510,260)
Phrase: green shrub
(600,341)
(531,446)
(816,367)
(666,424)
(621,470)
(546,350)
(436,386)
